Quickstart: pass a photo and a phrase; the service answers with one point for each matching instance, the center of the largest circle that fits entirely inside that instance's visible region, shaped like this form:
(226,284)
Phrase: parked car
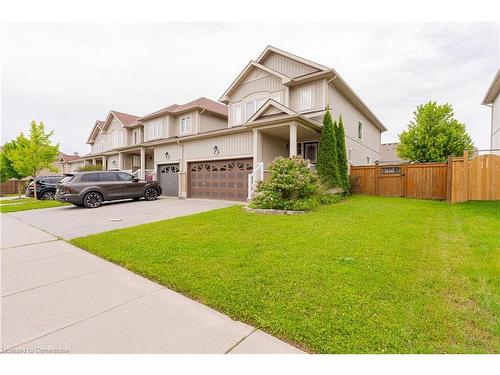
(91,189)
(45,187)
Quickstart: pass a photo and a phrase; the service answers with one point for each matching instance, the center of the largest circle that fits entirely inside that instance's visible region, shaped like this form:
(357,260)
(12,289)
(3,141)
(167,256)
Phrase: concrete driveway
(70,221)
(57,298)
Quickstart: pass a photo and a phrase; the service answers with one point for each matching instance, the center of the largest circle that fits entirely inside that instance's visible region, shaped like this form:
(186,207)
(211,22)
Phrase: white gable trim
(244,74)
(268,104)
(270,49)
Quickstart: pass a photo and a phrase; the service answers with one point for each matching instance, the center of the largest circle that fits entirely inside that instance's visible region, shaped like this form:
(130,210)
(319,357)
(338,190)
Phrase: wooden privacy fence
(458,180)
(11,187)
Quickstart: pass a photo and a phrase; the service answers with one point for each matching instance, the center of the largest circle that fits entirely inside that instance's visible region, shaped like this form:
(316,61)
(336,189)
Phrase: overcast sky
(69,75)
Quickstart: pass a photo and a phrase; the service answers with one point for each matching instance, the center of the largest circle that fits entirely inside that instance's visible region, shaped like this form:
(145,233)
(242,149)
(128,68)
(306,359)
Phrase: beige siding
(174,151)
(272,147)
(287,66)
(210,122)
(495,124)
(230,146)
(267,83)
(318,96)
(369,146)
(110,160)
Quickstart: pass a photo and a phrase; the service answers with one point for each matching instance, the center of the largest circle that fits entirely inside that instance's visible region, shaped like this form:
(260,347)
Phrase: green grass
(24,204)
(369,275)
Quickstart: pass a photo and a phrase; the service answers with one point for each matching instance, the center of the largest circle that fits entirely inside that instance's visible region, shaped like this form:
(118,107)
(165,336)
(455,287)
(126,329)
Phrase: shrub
(353,183)
(342,155)
(291,186)
(327,163)
(89,168)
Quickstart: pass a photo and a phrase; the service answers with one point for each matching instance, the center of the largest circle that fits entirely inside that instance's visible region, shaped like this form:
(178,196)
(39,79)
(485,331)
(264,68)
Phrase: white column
(293,139)
(120,161)
(142,173)
(93,161)
(104,163)
(257,148)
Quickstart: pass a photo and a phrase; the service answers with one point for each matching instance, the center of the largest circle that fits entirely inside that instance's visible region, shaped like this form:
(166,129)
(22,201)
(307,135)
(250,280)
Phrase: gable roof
(245,73)
(200,103)
(270,50)
(68,157)
(96,128)
(268,105)
(125,118)
(493,90)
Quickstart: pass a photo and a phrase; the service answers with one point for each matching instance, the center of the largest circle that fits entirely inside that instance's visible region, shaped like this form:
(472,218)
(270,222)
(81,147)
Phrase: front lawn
(369,275)
(23,204)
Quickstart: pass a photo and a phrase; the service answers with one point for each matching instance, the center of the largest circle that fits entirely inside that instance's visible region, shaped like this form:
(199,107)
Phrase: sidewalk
(59,298)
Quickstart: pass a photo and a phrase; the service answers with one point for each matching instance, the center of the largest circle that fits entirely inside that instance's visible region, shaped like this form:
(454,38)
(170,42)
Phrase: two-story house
(207,149)
(492,99)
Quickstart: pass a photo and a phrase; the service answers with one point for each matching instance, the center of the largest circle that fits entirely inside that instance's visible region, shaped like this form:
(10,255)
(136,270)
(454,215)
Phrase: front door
(311,152)
(168,177)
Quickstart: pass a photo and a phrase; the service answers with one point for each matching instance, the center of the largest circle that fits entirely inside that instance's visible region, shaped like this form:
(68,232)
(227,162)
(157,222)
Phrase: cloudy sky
(69,75)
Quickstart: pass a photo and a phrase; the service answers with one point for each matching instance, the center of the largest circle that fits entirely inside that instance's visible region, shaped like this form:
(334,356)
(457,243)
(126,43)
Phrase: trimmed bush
(89,168)
(327,163)
(291,186)
(342,155)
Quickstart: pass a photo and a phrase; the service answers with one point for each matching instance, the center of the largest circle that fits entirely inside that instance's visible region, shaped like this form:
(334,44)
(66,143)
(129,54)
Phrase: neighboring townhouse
(492,99)
(69,163)
(207,149)
(388,154)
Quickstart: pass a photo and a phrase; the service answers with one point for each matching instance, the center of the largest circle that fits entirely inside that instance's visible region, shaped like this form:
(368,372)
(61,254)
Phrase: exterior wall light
(216,150)
(167,155)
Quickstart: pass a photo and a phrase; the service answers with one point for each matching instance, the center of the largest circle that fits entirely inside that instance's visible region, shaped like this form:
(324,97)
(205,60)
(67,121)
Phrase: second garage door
(227,179)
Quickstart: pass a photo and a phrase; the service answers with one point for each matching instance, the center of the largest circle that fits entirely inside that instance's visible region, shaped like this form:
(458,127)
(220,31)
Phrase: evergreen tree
(326,165)
(342,155)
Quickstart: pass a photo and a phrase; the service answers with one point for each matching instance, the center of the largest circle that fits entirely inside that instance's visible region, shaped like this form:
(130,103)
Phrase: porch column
(142,173)
(257,148)
(293,139)
(120,161)
(104,163)
(93,162)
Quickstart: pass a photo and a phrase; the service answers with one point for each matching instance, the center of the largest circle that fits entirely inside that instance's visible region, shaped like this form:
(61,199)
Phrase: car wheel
(92,200)
(151,194)
(48,195)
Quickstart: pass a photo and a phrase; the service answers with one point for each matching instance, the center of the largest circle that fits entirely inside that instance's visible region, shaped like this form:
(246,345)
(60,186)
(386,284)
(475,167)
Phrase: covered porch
(138,162)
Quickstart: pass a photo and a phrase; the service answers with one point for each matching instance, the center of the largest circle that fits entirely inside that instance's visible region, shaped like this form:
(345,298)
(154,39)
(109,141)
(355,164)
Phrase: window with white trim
(305,98)
(114,139)
(154,129)
(185,125)
(135,136)
(360,130)
(350,154)
(253,106)
(276,97)
(237,114)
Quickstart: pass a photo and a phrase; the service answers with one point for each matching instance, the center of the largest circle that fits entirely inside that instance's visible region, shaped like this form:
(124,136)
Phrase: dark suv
(90,189)
(45,187)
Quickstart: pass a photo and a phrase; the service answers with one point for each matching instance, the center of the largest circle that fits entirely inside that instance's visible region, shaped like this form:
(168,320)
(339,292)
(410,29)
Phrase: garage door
(226,179)
(168,178)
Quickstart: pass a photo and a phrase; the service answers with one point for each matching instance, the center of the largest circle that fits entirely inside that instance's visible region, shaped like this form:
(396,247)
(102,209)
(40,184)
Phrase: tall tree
(342,155)
(7,170)
(327,163)
(433,135)
(35,153)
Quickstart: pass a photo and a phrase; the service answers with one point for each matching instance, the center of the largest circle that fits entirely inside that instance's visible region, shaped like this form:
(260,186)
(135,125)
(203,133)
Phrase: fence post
(466,176)
(376,176)
(449,180)
(403,181)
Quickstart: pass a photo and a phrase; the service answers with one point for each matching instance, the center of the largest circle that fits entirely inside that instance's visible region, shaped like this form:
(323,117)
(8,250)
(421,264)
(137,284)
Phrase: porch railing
(254,178)
(149,174)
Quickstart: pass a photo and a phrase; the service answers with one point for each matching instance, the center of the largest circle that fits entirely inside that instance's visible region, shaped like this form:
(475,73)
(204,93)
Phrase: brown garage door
(227,179)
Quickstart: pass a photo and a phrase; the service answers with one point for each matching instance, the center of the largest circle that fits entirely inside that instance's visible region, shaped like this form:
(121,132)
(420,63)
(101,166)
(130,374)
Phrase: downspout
(327,102)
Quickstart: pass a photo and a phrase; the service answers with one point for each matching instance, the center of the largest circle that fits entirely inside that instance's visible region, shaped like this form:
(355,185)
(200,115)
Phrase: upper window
(360,130)
(237,114)
(154,129)
(368,160)
(253,106)
(350,153)
(305,98)
(135,136)
(185,125)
